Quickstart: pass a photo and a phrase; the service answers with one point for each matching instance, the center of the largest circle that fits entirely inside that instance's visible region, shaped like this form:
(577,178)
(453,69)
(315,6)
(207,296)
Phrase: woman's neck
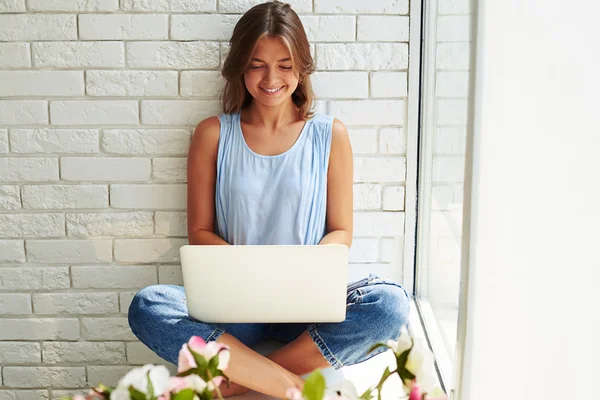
(271,117)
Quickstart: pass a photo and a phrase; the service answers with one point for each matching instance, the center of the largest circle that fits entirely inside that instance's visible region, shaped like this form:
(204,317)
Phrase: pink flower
(177,384)
(186,360)
(415,392)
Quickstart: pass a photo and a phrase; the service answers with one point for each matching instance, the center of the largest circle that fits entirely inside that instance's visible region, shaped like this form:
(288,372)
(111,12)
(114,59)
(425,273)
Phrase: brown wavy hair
(275,19)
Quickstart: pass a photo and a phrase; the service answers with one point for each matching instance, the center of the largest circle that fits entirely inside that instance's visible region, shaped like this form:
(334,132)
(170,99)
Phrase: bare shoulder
(206,136)
(339,135)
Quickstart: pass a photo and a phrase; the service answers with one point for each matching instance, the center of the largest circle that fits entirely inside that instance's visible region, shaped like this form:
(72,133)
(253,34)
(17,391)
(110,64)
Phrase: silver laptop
(265,283)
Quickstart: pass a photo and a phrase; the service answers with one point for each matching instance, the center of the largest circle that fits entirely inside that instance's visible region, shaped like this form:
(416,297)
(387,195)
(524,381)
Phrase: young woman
(270,171)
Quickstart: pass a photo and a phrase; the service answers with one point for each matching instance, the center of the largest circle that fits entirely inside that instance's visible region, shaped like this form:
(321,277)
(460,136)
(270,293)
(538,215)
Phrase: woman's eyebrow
(282,60)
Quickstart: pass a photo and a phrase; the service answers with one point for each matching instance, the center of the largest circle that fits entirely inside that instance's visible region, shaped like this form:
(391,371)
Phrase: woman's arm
(201,178)
(339,188)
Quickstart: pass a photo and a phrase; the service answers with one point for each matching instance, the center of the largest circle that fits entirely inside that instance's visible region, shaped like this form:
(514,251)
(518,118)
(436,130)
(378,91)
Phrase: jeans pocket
(354,297)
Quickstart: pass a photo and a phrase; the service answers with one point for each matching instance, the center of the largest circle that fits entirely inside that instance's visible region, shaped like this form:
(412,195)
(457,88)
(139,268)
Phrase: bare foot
(233,389)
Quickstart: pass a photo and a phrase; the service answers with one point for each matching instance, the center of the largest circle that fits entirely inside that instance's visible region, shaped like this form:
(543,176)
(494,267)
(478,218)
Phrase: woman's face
(270,77)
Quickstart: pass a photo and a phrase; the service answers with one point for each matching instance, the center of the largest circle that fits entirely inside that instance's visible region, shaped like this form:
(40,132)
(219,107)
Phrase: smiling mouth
(275,90)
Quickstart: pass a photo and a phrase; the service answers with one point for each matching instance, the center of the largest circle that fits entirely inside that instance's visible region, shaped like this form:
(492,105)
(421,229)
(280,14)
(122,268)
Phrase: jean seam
(216,334)
(323,348)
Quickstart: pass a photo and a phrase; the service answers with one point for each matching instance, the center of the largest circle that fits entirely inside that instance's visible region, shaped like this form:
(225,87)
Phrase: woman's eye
(286,67)
(255,66)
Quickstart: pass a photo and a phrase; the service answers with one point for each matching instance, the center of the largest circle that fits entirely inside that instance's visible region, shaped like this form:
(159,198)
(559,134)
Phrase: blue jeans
(376,310)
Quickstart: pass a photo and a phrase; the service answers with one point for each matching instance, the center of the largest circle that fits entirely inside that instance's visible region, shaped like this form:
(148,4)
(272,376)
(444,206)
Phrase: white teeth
(271,90)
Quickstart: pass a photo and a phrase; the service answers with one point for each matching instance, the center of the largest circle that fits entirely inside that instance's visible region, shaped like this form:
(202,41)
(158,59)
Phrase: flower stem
(210,378)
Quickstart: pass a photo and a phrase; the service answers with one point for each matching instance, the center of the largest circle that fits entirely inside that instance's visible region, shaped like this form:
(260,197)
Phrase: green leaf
(150,387)
(377,345)
(185,394)
(385,375)
(136,394)
(202,365)
(206,395)
(367,395)
(314,386)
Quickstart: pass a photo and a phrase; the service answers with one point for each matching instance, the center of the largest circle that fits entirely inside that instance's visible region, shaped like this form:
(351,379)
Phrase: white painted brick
(170,275)
(34,278)
(362,7)
(25,27)
(201,84)
(241,6)
(391,250)
(203,26)
(94,112)
(448,169)
(177,55)
(113,169)
(452,84)
(450,140)
(46,140)
(73,5)
(10,197)
(69,251)
(15,55)
(453,7)
(452,56)
(363,141)
(12,6)
(75,303)
(31,377)
(362,56)
(32,225)
(138,353)
(39,329)
(170,223)
(389,84)
(65,196)
(123,27)
(447,197)
(453,28)
(367,196)
(340,84)
(148,250)
(15,304)
(169,169)
(178,112)
(41,83)
(78,54)
(108,375)
(12,251)
(125,299)
(136,223)
(114,328)
(114,277)
(83,352)
(379,169)
(3,141)
(131,83)
(452,112)
(10,394)
(329,28)
(368,112)
(383,28)
(378,223)
(392,141)
(28,169)
(146,141)
(23,112)
(20,353)
(169,6)
(149,196)
(364,250)
(393,198)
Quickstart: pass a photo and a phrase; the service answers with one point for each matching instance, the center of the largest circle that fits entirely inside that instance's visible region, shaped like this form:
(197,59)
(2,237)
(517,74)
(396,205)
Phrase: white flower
(342,390)
(403,342)
(138,378)
(420,363)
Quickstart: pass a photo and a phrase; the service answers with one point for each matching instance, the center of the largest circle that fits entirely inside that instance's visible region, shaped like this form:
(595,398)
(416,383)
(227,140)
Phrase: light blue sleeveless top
(281,199)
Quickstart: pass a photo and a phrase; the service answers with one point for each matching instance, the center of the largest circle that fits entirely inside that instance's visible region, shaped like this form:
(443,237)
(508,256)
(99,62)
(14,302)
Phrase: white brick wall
(98,101)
